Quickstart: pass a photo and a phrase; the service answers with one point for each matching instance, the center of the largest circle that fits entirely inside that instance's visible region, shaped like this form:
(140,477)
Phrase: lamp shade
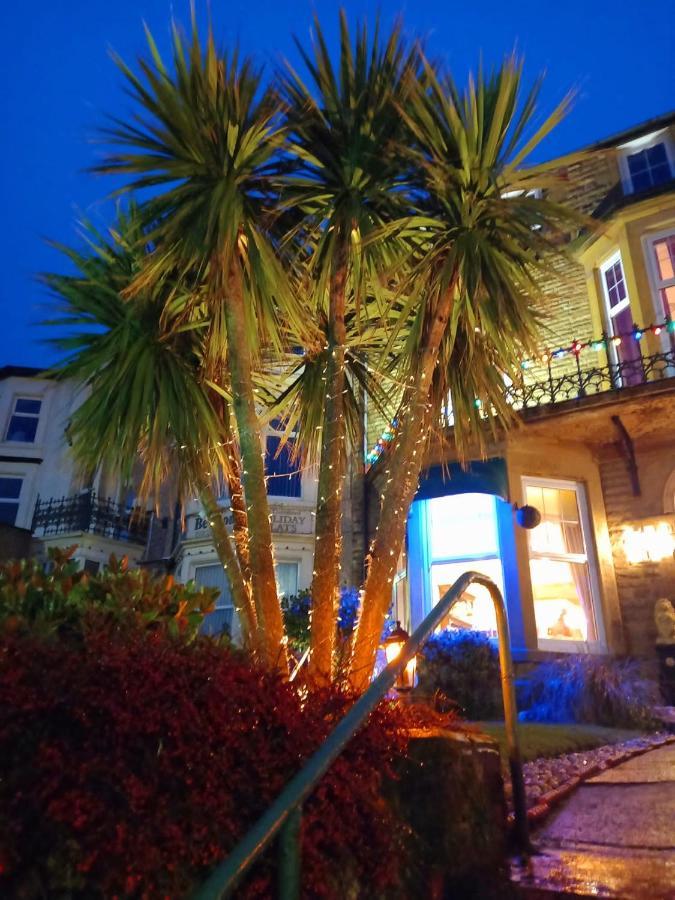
(392,645)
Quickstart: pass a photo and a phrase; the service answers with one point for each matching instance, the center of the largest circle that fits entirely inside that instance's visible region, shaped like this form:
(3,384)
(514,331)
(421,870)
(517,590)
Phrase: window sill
(581,647)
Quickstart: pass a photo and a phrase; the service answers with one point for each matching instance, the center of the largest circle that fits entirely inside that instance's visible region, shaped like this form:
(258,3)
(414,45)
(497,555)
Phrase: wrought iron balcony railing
(568,373)
(579,370)
(92,514)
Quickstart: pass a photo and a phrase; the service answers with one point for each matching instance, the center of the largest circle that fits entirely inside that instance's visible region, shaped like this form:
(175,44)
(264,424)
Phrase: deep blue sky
(59,82)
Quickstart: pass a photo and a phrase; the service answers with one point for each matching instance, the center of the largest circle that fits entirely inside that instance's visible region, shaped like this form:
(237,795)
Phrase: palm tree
(206,138)
(480,246)
(145,397)
(345,135)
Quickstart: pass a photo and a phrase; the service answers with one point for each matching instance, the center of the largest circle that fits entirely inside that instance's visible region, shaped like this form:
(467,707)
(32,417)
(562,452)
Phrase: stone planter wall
(450,793)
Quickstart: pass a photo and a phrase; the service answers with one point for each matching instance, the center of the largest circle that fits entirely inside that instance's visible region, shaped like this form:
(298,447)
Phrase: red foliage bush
(130,764)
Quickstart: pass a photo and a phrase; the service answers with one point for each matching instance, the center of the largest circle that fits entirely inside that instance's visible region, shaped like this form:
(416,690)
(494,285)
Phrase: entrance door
(624,351)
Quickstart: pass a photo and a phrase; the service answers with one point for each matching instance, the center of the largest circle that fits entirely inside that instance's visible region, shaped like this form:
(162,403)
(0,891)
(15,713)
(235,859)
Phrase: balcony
(620,361)
(89,513)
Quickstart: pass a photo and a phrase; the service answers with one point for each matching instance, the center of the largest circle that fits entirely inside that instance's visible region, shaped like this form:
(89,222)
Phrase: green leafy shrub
(463,667)
(62,598)
(589,689)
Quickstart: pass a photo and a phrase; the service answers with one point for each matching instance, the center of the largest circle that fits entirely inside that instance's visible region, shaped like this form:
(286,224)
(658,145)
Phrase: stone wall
(640,584)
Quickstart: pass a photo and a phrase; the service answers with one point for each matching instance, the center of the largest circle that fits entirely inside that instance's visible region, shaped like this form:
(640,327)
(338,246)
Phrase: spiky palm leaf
(480,236)
(144,394)
(208,134)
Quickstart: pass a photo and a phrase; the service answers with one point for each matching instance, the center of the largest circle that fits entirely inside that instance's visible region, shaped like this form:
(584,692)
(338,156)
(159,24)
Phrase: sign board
(284,520)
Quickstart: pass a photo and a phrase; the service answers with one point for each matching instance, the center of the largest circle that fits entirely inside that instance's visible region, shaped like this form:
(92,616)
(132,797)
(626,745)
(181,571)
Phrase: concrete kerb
(548,801)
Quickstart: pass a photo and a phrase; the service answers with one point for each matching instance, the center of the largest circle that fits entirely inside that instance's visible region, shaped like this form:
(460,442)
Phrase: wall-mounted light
(648,543)
(527,516)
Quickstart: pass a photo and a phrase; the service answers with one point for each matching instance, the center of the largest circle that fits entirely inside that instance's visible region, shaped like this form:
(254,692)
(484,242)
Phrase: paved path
(614,837)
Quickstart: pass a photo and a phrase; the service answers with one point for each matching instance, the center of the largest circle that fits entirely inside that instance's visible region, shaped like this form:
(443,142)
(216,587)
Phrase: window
(10,490)
(625,354)
(287,578)
(646,162)
(662,258)
(91,566)
(221,619)
(461,535)
(648,168)
(562,584)
(283,474)
(24,420)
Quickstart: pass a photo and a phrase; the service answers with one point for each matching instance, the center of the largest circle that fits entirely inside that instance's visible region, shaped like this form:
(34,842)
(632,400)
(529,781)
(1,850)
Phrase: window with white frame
(24,419)
(661,253)
(646,162)
(462,534)
(287,578)
(10,492)
(221,620)
(561,570)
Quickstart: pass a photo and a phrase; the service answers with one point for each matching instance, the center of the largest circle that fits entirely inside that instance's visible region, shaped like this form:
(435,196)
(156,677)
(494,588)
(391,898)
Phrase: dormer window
(646,163)
(24,420)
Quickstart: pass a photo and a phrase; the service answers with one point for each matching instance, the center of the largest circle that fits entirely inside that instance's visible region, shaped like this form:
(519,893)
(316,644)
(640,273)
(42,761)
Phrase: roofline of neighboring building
(21,372)
(614,140)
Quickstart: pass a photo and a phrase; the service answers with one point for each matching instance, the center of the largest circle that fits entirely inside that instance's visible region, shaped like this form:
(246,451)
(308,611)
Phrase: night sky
(59,83)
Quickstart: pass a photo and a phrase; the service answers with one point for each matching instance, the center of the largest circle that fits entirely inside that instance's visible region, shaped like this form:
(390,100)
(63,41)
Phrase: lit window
(663,267)
(10,490)
(649,167)
(221,619)
(24,420)
(283,474)
(462,536)
(559,564)
(287,578)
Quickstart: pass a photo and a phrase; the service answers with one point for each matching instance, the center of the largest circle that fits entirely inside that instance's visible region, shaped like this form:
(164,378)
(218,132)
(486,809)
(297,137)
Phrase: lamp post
(393,644)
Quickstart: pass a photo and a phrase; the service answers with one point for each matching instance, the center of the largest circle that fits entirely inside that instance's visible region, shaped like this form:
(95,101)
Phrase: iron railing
(87,512)
(283,818)
(569,377)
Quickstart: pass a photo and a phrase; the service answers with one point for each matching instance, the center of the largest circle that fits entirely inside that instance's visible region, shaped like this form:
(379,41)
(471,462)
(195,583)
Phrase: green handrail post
(225,876)
(290,857)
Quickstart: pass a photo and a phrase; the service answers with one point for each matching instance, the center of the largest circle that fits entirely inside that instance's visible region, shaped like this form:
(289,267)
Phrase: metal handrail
(283,816)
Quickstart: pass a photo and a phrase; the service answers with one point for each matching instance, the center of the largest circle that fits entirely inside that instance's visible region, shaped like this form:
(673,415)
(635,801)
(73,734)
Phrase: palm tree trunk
(328,541)
(237,502)
(268,609)
(241,596)
(405,463)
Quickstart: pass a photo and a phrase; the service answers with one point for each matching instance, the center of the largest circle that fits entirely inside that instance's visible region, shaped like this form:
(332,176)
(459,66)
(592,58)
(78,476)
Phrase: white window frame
(589,558)
(12,412)
(292,561)
(611,312)
(657,284)
(14,476)
(636,146)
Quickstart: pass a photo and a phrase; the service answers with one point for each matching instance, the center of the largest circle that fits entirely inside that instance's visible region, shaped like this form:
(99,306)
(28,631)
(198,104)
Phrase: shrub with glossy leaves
(134,760)
(60,597)
(595,689)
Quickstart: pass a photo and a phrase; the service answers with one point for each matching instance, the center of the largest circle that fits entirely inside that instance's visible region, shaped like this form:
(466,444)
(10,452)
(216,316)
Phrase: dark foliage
(595,689)
(462,667)
(133,760)
(297,616)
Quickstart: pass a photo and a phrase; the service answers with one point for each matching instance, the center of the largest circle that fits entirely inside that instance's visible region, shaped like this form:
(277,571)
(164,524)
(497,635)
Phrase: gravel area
(546,774)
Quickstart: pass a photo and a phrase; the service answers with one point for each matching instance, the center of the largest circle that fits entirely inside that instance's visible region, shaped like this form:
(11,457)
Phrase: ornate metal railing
(90,513)
(585,380)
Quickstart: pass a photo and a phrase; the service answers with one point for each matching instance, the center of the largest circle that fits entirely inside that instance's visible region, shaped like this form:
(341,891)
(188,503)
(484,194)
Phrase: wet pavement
(614,837)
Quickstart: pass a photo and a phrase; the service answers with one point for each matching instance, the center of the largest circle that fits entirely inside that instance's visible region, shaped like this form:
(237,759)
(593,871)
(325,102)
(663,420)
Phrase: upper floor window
(23,422)
(10,490)
(283,472)
(662,253)
(646,163)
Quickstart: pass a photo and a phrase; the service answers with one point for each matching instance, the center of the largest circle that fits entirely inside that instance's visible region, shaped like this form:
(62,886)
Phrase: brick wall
(639,585)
